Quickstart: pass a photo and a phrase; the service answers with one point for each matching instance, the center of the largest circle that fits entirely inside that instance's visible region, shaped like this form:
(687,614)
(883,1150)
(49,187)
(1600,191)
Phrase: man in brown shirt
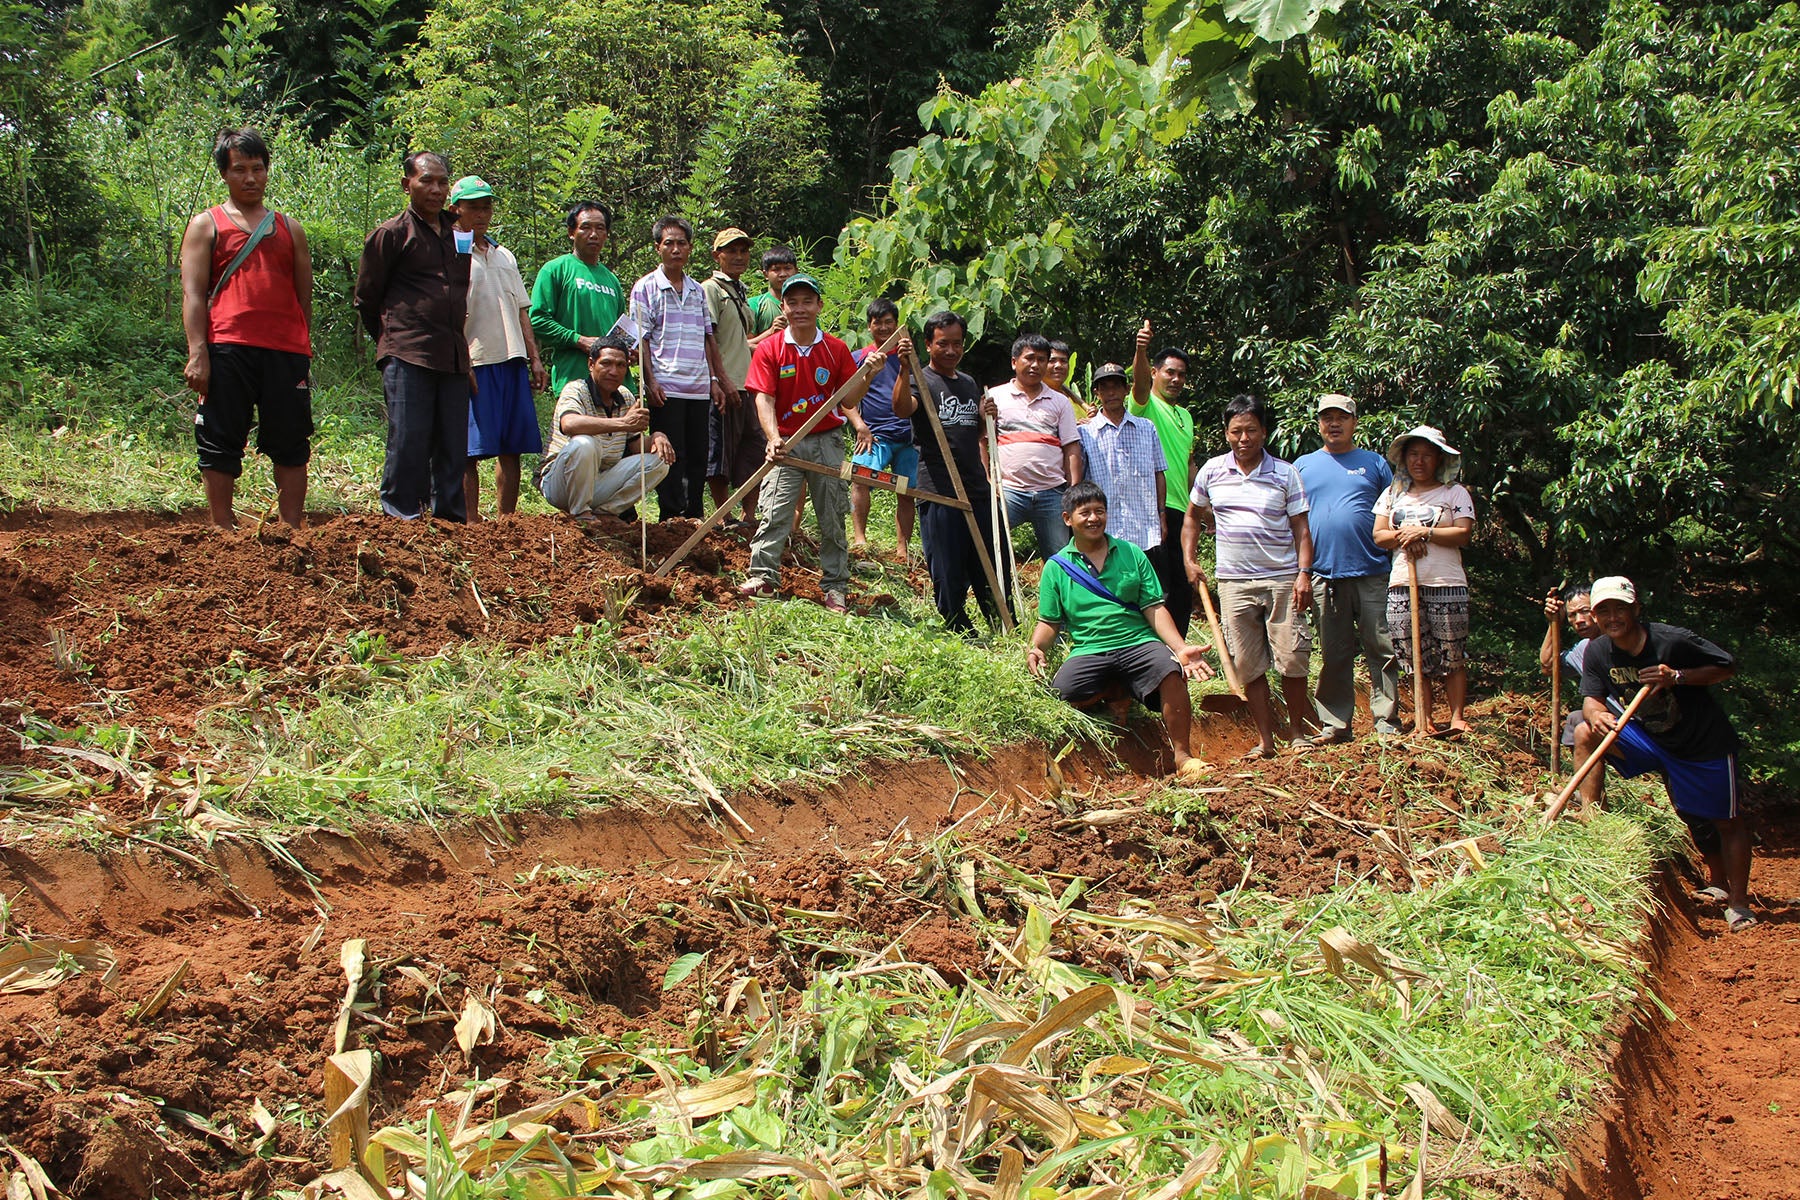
(413,290)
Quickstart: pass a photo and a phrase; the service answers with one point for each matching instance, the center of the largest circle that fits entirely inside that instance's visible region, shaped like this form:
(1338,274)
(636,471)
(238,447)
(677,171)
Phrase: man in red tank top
(248,318)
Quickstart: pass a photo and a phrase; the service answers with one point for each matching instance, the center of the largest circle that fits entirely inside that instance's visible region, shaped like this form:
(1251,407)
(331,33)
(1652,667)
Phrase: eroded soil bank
(569,927)
(1705,1103)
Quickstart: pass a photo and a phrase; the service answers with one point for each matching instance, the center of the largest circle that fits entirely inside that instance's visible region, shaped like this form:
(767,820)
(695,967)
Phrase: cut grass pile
(778,695)
(1361,1043)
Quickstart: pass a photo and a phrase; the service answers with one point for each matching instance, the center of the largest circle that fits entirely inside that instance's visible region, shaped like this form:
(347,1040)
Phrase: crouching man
(1105,593)
(596,462)
(1678,731)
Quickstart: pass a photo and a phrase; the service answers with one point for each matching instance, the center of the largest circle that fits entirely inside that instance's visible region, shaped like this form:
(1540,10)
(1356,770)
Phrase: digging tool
(756,477)
(1212,620)
(962,492)
(1003,521)
(643,494)
(1421,708)
(1555,697)
(1596,758)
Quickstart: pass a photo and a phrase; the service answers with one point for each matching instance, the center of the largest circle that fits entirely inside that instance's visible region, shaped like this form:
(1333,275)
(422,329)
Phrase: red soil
(1706,1105)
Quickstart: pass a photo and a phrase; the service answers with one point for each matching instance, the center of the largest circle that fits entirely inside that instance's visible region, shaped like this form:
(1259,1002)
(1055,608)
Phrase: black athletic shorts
(251,385)
(1142,668)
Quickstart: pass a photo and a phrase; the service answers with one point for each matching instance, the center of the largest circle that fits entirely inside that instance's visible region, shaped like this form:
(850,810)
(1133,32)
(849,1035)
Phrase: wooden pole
(1595,759)
(1212,620)
(756,477)
(1421,709)
(1003,525)
(643,493)
(1007,620)
(1555,697)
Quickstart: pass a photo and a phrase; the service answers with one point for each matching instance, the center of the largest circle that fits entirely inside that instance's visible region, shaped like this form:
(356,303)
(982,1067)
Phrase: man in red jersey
(246,304)
(792,376)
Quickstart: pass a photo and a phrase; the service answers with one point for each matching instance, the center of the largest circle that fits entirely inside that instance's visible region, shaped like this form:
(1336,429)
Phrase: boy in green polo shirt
(1105,593)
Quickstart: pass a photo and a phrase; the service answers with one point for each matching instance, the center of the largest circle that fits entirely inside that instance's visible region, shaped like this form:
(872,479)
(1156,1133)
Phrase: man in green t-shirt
(778,262)
(575,301)
(1104,592)
(1157,386)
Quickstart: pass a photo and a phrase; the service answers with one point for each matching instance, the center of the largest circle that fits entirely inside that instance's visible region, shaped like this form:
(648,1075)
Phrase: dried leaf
(351,956)
(477,1024)
(709,1099)
(1066,1017)
(39,964)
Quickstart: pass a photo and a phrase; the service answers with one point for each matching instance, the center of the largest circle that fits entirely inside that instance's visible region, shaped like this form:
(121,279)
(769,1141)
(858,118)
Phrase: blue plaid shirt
(1124,460)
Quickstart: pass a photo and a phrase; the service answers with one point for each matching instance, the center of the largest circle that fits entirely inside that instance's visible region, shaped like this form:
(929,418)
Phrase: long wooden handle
(1555,697)
(1003,519)
(1212,619)
(1594,759)
(756,477)
(1421,710)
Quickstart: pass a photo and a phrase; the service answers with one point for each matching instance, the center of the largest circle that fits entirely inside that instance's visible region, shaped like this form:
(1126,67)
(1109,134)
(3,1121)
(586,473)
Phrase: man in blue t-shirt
(893,448)
(1343,482)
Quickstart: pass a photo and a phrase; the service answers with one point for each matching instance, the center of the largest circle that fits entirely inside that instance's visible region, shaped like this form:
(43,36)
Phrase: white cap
(1613,587)
(1331,400)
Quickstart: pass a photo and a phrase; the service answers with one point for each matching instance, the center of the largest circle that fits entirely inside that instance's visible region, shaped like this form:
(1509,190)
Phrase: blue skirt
(502,417)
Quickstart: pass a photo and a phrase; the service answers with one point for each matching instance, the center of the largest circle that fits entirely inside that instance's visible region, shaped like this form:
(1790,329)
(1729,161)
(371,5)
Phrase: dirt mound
(130,614)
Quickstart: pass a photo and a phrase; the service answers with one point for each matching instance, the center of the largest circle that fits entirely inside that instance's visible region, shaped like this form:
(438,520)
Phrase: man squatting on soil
(246,306)
(1104,592)
(1679,731)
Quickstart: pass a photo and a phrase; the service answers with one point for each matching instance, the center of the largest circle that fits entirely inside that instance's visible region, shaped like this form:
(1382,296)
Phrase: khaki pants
(781,492)
(1262,626)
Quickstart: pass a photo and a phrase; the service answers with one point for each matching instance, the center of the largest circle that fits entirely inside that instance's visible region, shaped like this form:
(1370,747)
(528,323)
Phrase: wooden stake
(1007,620)
(1421,709)
(1002,519)
(1555,697)
(1595,759)
(1212,620)
(756,477)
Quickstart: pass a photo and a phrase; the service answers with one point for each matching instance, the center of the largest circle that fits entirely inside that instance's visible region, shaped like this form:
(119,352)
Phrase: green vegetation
(1258,1048)
(773,696)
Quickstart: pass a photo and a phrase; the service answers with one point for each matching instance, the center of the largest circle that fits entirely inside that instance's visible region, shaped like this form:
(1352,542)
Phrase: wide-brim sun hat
(1452,465)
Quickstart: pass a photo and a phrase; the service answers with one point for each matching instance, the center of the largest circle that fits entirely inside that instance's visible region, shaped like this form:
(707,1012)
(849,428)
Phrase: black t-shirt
(959,408)
(1686,721)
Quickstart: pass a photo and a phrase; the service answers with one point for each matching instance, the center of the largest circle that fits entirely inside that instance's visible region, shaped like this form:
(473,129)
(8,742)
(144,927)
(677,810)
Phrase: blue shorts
(502,416)
(1705,790)
(901,458)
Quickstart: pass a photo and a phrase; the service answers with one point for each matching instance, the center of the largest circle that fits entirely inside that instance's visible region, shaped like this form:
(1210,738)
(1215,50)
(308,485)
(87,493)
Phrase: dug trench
(571,931)
(568,929)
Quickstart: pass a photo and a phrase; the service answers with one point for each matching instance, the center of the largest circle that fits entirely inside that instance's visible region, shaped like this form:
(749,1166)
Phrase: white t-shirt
(496,295)
(1439,507)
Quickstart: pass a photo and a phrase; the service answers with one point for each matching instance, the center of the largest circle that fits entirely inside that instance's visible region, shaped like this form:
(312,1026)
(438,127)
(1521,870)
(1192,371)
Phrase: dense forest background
(1567,231)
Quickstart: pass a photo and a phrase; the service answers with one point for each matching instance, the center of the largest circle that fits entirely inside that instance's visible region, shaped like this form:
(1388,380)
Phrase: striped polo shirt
(1251,514)
(674,326)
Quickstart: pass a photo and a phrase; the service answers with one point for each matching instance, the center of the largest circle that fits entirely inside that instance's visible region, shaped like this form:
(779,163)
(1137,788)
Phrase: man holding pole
(791,375)
(1679,731)
(1343,482)
(951,555)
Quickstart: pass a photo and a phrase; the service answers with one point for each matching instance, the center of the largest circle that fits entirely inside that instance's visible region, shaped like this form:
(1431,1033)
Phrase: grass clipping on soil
(778,695)
(1360,1043)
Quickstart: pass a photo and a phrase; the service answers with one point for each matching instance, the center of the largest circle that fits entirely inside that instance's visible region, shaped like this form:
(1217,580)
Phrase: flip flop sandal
(1713,894)
(1254,755)
(1739,919)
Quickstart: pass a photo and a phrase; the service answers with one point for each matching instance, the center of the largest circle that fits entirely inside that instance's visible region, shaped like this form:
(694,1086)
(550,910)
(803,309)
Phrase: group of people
(1343,540)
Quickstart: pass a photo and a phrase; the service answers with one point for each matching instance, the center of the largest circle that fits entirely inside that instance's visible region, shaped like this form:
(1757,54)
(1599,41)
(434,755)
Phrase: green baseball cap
(806,281)
(469,187)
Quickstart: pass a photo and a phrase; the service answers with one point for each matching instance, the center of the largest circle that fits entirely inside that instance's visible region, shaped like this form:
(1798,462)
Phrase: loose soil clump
(137,617)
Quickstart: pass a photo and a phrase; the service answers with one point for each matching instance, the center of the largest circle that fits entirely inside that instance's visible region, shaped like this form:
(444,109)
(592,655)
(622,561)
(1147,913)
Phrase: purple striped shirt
(1252,515)
(674,328)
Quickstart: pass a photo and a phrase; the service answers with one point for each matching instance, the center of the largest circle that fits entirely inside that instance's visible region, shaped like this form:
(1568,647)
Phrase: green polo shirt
(1175,427)
(1095,624)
